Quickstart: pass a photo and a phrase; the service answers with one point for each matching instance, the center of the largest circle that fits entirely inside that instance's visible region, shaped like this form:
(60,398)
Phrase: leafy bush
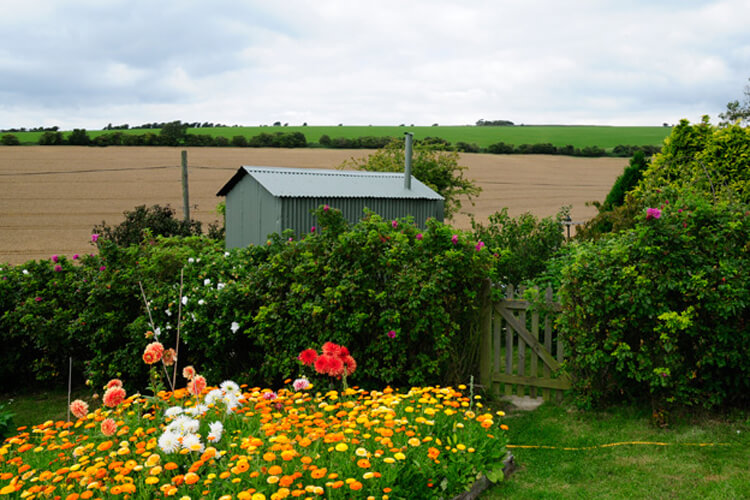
(713,161)
(158,220)
(250,311)
(50,138)
(9,140)
(79,137)
(523,244)
(626,181)
(660,311)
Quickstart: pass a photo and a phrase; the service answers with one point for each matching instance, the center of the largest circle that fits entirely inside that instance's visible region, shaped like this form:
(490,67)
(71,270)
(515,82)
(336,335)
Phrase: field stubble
(52,196)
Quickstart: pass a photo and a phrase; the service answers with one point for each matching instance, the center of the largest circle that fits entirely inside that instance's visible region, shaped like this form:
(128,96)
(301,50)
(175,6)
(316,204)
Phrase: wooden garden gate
(520,351)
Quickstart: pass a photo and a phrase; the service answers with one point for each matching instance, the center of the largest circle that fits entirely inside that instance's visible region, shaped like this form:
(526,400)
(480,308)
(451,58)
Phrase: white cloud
(89,63)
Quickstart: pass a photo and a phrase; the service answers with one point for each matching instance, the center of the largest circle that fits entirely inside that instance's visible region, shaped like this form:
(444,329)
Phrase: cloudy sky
(86,63)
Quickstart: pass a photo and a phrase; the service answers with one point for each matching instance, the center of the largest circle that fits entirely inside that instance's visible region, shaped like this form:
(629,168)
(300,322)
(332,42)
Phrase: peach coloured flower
(169,357)
(115,382)
(188,372)
(109,427)
(197,385)
(79,408)
(153,353)
(113,396)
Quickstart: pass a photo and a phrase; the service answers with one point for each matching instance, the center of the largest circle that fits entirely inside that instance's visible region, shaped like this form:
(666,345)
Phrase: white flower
(231,402)
(206,282)
(184,301)
(235,326)
(25,271)
(200,410)
(212,397)
(216,427)
(192,442)
(168,312)
(173,411)
(169,442)
(220,286)
(229,386)
(226,254)
(191,260)
(201,302)
(157,332)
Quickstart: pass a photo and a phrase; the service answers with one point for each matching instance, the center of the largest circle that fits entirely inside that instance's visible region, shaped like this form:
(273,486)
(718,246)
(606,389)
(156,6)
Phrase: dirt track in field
(52,196)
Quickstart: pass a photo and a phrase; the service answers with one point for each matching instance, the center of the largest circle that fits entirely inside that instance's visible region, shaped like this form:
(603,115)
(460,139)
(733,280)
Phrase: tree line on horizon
(175,134)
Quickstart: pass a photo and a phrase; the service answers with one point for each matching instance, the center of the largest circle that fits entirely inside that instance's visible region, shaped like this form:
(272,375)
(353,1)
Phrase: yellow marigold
(342,447)
(399,456)
(288,455)
(414,441)
(269,456)
(152,480)
(363,463)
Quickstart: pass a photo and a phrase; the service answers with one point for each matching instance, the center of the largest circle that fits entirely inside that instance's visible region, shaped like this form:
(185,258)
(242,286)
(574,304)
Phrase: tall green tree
(437,169)
(736,110)
(173,133)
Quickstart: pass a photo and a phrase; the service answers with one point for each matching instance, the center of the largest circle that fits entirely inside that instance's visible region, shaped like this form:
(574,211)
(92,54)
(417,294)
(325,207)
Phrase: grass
(558,135)
(677,470)
(32,408)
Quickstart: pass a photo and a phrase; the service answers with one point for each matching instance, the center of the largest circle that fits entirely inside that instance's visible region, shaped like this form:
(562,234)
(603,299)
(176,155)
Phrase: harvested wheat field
(52,196)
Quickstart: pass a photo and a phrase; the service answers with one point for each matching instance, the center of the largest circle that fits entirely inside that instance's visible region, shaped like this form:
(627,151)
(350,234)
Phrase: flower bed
(239,442)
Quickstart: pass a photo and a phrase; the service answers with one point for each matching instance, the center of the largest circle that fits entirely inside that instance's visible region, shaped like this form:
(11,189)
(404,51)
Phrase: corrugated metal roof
(308,182)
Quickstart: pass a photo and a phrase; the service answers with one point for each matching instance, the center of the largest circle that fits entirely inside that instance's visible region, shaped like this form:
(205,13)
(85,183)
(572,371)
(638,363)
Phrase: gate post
(485,336)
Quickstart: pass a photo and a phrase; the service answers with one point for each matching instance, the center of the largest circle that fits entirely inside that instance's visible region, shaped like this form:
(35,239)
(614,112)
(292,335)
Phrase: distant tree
(173,133)
(239,141)
(438,169)
(324,140)
(277,124)
(51,138)
(9,140)
(736,110)
(79,137)
(159,220)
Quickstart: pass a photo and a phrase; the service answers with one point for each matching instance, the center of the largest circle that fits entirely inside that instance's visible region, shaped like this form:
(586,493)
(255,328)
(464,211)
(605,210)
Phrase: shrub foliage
(404,301)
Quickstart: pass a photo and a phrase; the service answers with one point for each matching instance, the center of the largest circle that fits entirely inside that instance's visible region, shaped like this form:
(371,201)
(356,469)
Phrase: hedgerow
(404,299)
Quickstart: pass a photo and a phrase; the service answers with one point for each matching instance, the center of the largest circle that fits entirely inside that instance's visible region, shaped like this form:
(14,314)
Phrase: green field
(558,135)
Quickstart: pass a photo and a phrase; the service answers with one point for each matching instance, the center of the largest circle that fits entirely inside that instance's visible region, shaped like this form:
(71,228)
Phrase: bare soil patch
(52,196)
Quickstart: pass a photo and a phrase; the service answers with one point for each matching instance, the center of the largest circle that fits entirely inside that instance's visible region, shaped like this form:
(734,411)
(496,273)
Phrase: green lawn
(677,470)
(577,136)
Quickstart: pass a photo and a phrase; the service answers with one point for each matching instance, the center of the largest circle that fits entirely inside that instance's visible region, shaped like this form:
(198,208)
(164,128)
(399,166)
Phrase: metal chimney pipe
(407,160)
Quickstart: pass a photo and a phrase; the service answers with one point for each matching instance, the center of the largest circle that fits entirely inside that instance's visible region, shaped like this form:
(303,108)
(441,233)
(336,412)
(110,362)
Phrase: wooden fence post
(485,330)
(185,194)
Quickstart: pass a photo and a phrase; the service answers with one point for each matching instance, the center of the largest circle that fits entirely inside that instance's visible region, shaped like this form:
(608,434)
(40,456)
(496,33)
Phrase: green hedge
(249,312)
(660,312)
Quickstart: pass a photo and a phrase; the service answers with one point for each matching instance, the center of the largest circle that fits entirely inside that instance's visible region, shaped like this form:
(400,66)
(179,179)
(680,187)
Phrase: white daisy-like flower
(191,260)
(184,301)
(157,332)
(169,442)
(168,312)
(192,442)
(197,410)
(206,282)
(216,427)
(235,326)
(230,386)
(226,254)
(173,411)
(219,286)
(201,302)
(212,397)
(25,271)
